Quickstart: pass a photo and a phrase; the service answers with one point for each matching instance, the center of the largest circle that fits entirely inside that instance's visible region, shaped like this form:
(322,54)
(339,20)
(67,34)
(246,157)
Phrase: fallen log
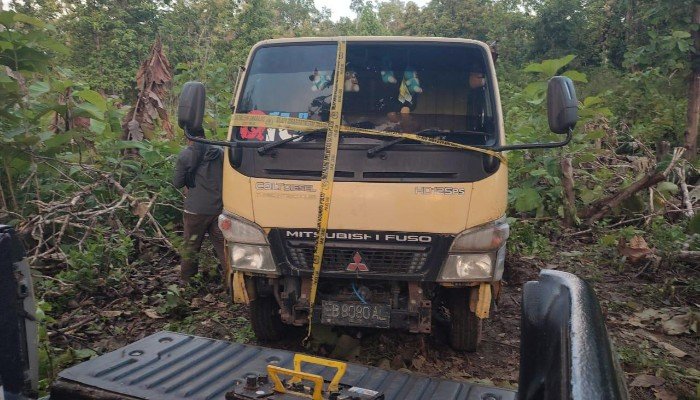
(689,256)
(602,207)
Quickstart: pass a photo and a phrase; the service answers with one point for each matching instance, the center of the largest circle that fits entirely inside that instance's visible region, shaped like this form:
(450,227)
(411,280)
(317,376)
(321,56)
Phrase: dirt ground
(651,314)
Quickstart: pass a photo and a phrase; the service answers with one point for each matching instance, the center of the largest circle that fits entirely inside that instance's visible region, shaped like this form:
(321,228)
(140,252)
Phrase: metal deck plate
(170,365)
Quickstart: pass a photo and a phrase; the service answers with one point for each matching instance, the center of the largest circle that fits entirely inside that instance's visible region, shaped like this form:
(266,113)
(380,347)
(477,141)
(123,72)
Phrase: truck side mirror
(190,110)
(562,104)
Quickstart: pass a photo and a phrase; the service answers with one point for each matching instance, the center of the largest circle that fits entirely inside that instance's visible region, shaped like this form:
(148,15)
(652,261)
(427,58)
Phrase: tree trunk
(663,148)
(631,21)
(567,181)
(691,130)
(3,202)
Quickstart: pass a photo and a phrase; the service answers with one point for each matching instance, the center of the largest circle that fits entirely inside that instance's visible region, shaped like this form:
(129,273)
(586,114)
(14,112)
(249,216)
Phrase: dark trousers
(196,226)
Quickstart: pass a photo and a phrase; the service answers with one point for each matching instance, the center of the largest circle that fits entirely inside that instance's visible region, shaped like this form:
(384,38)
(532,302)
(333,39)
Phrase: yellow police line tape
(299,124)
(330,153)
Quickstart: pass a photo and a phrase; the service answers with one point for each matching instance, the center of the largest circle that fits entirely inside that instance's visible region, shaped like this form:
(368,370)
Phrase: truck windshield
(389,86)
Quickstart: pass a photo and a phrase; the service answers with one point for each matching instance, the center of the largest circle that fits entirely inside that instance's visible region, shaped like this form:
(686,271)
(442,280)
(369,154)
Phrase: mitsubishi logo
(358,265)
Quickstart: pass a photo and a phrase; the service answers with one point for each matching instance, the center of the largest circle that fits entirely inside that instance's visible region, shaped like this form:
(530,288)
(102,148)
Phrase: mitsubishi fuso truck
(414,211)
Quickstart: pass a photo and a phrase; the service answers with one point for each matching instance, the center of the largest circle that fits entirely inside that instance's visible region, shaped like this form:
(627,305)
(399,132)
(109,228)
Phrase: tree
(562,27)
(109,38)
(45,10)
(412,20)
(391,16)
(256,21)
(457,18)
(298,17)
(693,113)
(669,46)
(367,22)
(358,5)
(199,37)
(344,27)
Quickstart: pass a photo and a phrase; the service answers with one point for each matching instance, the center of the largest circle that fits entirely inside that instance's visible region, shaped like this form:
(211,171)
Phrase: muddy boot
(187,271)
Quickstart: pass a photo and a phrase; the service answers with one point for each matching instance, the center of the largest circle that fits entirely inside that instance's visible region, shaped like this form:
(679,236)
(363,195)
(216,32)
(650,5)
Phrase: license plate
(355,314)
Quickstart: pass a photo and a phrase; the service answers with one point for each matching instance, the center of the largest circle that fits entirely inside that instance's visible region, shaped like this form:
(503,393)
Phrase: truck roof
(421,39)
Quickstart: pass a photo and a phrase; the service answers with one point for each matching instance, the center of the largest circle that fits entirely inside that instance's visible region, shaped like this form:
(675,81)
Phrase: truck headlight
(467,267)
(248,247)
(252,258)
(477,254)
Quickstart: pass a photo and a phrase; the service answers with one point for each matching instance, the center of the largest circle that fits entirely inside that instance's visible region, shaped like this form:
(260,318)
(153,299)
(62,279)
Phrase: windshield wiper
(426,132)
(262,150)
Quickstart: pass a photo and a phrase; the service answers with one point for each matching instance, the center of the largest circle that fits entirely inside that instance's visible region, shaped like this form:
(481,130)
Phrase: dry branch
(687,202)
(134,204)
(602,207)
(76,216)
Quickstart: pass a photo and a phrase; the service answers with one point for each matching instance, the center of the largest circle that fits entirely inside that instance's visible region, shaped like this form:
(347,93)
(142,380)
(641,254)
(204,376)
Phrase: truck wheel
(465,326)
(265,319)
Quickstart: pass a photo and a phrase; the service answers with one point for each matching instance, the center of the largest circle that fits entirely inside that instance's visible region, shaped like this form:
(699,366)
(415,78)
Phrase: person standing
(199,168)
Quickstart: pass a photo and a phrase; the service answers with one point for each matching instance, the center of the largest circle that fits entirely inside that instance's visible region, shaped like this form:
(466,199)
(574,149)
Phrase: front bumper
(414,314)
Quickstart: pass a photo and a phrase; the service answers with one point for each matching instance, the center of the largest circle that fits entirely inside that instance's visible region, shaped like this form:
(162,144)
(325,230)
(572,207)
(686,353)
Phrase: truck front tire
(465,326)
(265,319)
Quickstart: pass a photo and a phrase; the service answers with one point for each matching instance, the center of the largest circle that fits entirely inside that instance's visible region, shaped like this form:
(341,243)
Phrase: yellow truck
(392,148)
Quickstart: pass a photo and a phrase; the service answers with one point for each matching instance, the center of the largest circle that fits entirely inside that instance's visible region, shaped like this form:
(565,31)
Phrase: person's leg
(217,240)
(195,226)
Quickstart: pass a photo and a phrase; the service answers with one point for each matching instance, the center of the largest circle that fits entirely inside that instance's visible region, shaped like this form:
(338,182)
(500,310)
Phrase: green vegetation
(98,214)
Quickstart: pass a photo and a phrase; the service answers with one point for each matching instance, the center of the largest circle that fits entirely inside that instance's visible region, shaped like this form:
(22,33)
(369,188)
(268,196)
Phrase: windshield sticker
(261,133)
(275,134)
(253,132)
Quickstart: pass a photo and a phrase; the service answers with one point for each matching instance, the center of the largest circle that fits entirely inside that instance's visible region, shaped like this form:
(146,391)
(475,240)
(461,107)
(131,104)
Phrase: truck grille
(378,261)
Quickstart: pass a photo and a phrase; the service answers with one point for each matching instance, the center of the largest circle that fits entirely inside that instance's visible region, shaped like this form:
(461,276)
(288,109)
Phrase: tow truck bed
(170,365)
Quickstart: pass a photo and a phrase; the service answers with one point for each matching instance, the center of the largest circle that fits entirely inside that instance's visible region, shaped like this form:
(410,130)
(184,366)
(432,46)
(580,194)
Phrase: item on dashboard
(321,80)
(410,86)
(351,82)
(386,72)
